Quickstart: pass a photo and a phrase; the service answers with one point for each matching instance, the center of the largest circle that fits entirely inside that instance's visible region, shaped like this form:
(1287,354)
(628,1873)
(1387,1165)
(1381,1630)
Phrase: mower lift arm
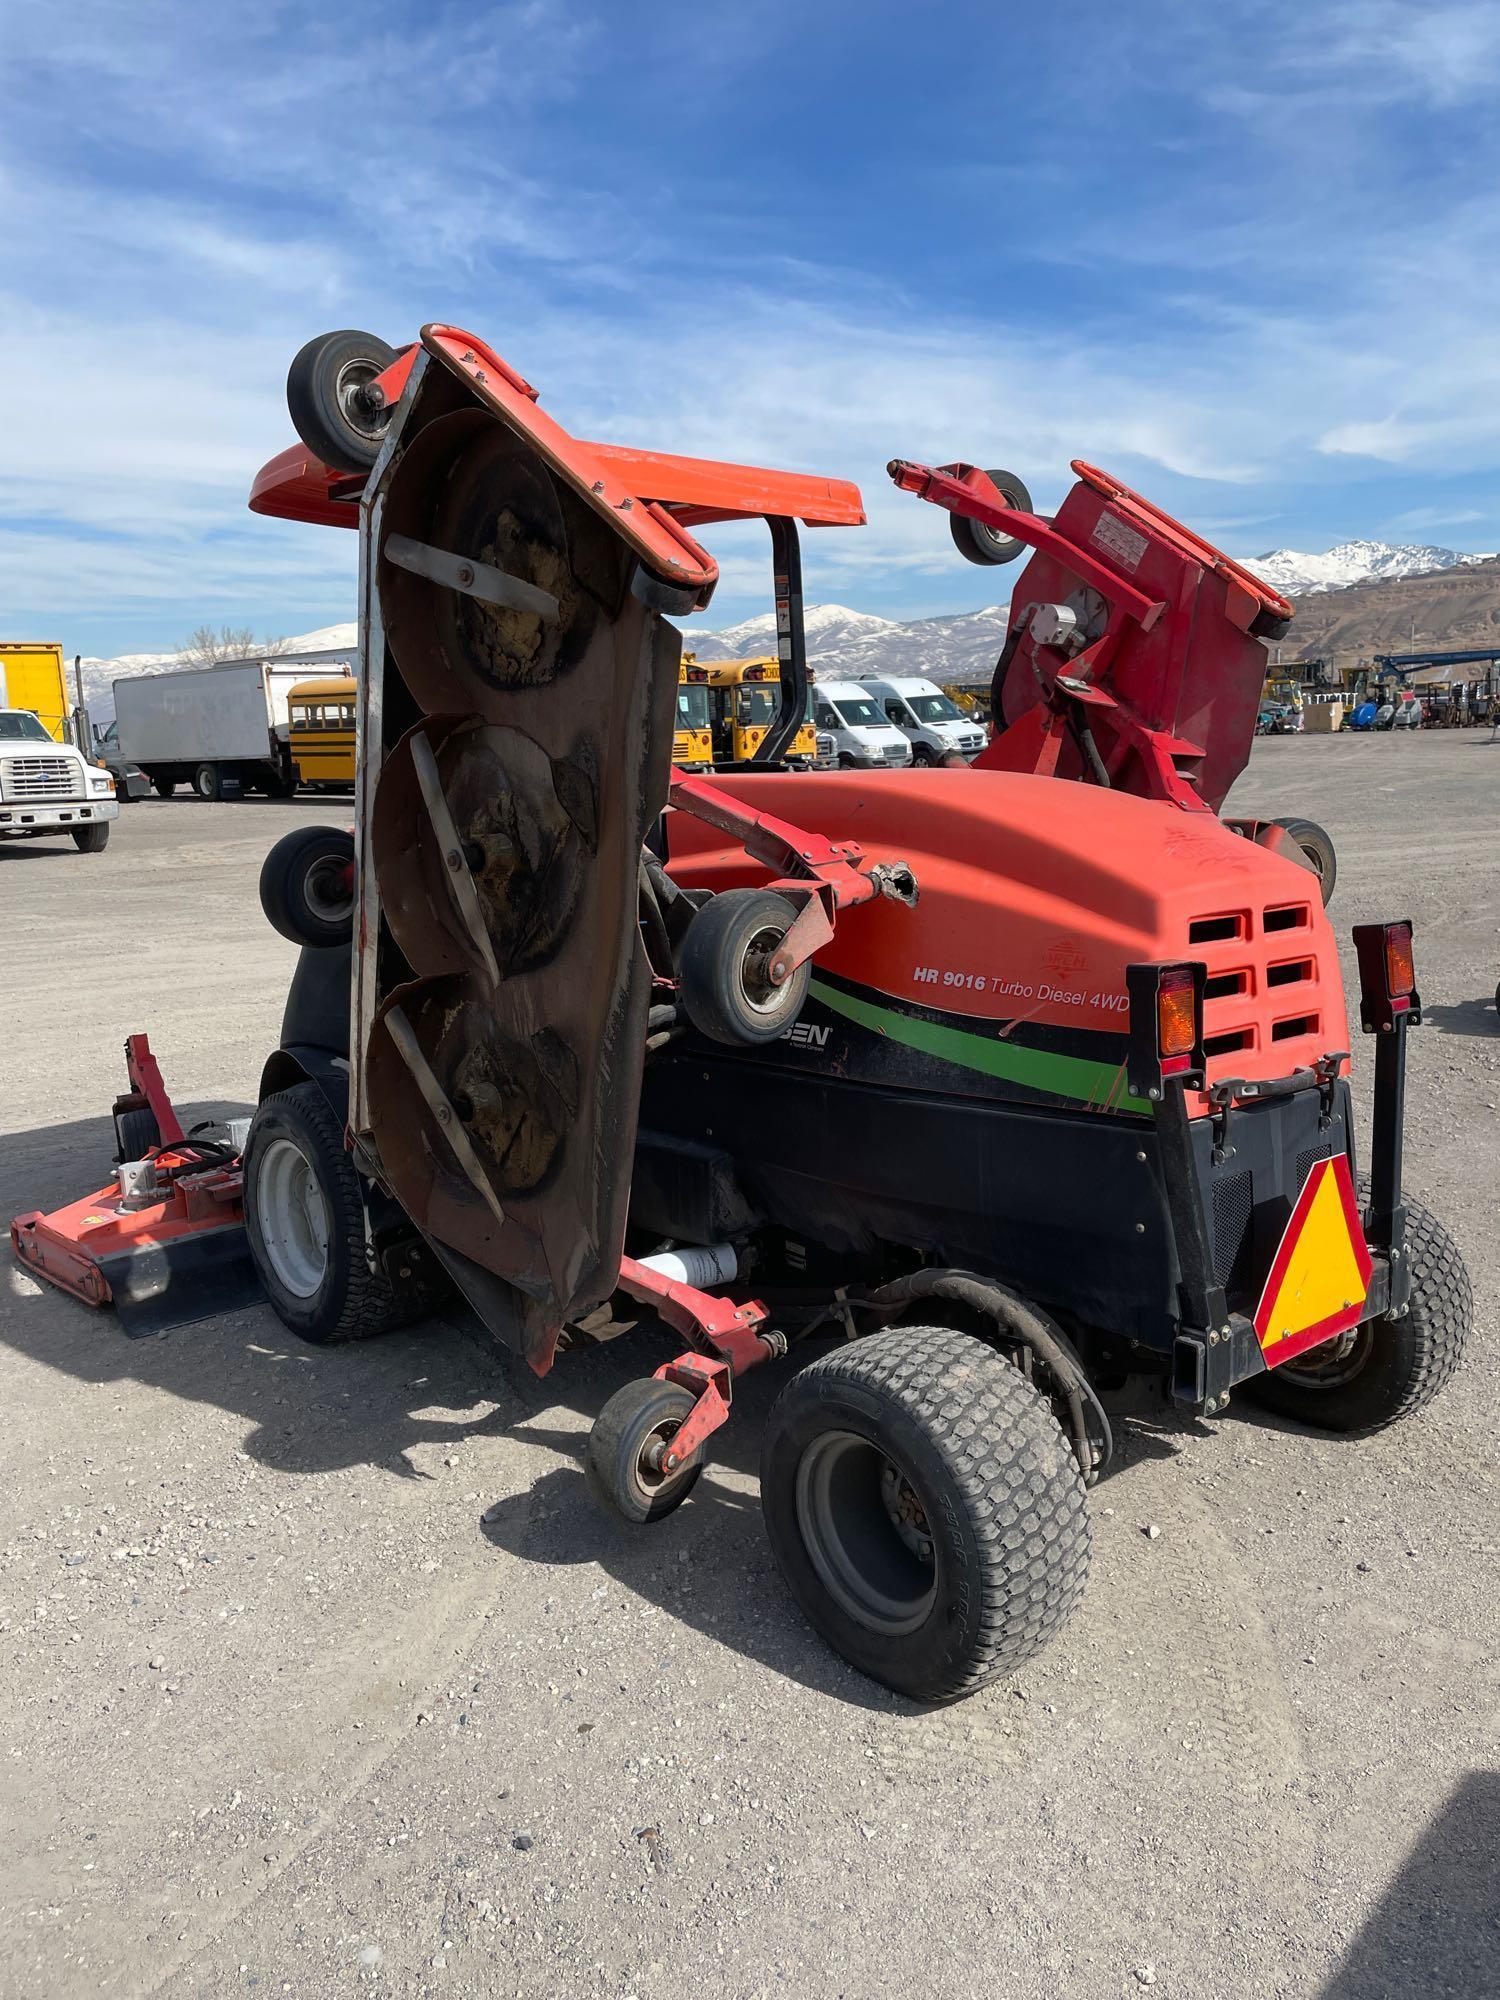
(964,489)
(820,875)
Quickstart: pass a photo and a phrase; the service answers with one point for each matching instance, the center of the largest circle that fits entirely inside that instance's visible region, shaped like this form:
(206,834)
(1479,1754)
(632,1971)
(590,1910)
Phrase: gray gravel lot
(320,1675)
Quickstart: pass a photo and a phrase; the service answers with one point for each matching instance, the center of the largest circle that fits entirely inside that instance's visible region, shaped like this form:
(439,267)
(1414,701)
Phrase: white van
(849,713)
(932,724)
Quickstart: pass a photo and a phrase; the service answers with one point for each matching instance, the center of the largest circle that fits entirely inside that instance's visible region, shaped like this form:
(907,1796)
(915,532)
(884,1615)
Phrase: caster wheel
(327,394)
(724,968)
(978,544)
(307,886)
(622,1465)
(136,1133)
(1317,852)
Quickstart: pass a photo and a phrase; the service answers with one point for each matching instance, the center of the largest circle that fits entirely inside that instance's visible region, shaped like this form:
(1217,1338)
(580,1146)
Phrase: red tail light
(1387,976)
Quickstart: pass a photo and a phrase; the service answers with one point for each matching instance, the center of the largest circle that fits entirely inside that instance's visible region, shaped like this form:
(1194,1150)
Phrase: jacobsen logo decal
(807,1035)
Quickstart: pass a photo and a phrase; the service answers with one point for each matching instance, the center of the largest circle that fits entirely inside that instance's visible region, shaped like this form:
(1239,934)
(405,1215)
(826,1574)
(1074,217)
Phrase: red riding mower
(992,1085)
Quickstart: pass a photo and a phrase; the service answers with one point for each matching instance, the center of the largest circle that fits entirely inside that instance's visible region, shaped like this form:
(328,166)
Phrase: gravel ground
(319,1674)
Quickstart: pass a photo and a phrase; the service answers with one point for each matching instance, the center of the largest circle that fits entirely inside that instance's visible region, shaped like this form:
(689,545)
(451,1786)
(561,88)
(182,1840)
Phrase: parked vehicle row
(243,727)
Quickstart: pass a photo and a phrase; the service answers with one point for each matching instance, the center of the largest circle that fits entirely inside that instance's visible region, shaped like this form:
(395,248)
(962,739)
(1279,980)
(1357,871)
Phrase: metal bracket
(823,875)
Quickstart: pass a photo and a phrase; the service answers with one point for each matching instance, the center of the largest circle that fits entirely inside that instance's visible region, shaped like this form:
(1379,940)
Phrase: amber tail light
(1166,1025)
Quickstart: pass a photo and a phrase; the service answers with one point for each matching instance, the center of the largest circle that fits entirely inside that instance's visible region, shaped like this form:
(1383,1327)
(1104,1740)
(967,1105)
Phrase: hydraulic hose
(1016,1319)
(654,924)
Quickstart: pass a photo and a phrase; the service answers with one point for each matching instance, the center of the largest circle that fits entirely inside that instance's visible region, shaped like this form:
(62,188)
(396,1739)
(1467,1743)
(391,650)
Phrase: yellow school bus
(692,741)
(743,698)
(320,715)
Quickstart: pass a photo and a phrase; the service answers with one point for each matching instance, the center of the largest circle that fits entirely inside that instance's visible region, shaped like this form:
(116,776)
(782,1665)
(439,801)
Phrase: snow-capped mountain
(841,641)
(1297,574)
(832,629)
(99,674)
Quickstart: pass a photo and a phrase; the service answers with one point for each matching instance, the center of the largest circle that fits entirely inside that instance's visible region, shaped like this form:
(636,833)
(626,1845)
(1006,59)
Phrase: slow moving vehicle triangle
(1320,1274)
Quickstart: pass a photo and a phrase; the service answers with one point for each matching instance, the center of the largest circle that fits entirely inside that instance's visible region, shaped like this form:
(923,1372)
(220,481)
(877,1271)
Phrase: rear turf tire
(322,1281)
(925,1438)
(1395,1366)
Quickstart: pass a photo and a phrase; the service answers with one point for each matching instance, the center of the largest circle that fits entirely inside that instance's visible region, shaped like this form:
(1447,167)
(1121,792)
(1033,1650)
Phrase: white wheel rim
(293,1218)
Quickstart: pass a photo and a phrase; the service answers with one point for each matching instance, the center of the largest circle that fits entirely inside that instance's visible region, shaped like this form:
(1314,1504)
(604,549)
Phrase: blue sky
(1245,255)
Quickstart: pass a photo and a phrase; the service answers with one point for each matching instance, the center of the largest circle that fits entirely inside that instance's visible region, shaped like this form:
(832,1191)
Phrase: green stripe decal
(1098,1085)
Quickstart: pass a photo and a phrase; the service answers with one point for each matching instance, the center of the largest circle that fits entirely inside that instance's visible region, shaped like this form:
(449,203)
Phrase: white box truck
(204,726)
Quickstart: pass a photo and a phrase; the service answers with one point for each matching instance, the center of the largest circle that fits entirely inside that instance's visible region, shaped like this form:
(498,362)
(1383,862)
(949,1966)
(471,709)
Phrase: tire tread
(1018,1479)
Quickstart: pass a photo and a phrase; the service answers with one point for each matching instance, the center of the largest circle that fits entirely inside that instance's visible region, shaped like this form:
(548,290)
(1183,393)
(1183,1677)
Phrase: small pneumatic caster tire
(622,1465)
(307,886)
(979,544)
(725,968)
(136,1133)
(327,394)
(1317,850)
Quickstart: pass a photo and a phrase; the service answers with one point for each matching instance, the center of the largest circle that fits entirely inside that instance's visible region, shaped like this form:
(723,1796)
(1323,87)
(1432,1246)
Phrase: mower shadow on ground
(1463,1017)
(1435,1930)
(309,1410)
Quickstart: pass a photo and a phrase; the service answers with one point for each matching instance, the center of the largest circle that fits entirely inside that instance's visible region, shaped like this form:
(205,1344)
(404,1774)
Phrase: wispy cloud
(734,234)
